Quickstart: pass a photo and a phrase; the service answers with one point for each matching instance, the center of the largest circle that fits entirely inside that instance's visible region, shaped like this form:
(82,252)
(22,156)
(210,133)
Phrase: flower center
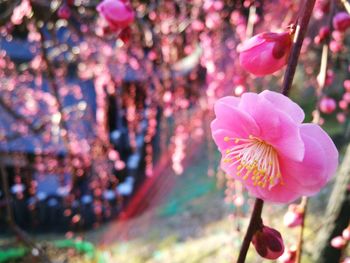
(256,159)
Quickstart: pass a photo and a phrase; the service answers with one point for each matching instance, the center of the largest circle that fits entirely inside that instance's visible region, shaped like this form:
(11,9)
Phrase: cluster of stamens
(254,159)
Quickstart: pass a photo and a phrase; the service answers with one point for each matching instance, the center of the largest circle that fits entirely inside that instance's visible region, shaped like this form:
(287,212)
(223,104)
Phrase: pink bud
(327,105)
(346,234)
(335,46)
(64,12)
(329,77)
(341,21)
(117,13)
(322,35)
(268,243)
(341,117)
(346,97)
(343,104)
(338,242)
(321,8)
(294,216)
(347,85)
(265,53)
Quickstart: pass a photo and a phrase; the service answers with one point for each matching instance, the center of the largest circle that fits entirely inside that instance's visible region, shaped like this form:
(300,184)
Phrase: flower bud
(268,243)
(322,35)
(294,216)
(341,21)
(346,234)
(327,105)
(265,53)
(347,85)
(117,13)
(338,242)
(64,12)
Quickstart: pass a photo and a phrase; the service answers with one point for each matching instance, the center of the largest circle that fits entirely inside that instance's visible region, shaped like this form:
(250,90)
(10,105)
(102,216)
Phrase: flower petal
(230,101)
(238,122)
(319,163)
(284,104)
(276,127)
(289,192)
(219,138)
(325,142)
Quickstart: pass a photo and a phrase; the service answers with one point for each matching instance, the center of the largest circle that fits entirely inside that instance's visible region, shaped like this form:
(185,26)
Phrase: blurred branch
(337,215)
(20,234)
(303,205)
(346,5)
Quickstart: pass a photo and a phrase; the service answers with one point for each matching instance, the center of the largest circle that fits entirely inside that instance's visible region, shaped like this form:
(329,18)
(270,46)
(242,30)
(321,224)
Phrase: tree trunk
(337,215)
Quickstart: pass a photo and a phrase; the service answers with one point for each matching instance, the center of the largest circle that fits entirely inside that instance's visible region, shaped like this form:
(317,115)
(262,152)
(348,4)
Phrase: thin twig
(303,205)
(346,5)
(299,36)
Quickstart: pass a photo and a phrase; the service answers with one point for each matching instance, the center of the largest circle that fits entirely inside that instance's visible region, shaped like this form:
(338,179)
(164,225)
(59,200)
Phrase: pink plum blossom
(117,13)
(265,145)
(265,53)
(268,243)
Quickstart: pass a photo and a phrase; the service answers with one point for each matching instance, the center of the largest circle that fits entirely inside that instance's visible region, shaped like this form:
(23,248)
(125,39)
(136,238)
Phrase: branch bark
(337,215)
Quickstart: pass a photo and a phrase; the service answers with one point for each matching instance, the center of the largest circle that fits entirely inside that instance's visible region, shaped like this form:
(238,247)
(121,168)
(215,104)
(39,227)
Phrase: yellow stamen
(256,160)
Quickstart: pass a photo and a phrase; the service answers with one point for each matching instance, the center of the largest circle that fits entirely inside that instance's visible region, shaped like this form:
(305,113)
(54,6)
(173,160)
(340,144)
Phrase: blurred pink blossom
(341,21)
(327,105)
(117,13)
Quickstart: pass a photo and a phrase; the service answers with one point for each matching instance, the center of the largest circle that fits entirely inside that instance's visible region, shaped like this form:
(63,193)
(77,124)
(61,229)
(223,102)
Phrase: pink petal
(319,163)
(219,138)
(230,101)
(289,192)
(276,127)
(284,104)
(325,142)
(251,43)
(238,122)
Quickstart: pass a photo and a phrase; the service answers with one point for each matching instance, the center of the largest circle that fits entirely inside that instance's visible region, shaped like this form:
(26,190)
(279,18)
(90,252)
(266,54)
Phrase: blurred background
(106,153)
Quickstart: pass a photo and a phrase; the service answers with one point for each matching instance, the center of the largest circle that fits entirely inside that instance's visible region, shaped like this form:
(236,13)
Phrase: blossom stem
(255,222)
(299,36)
(299,251)
(346,5)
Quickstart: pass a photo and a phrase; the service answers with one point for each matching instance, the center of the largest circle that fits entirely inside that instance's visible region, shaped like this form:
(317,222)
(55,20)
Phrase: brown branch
(299,36)
(255,221)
